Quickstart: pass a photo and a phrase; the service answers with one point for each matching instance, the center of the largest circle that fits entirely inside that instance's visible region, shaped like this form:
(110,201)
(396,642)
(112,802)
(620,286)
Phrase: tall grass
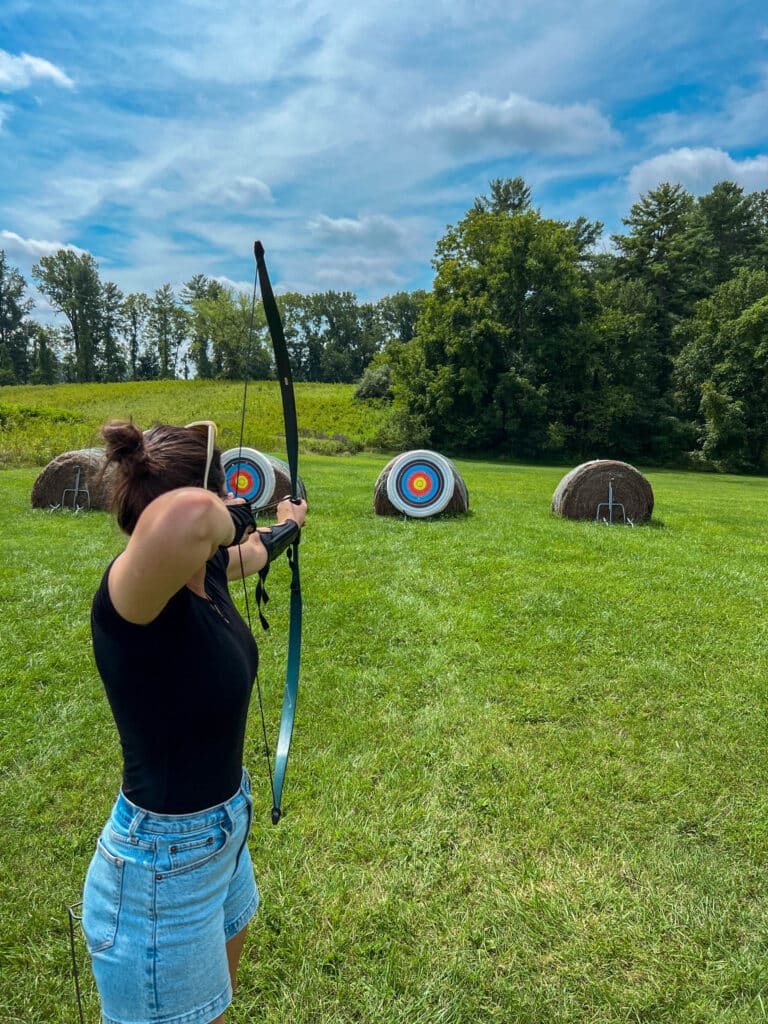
(529,779)
(39,422)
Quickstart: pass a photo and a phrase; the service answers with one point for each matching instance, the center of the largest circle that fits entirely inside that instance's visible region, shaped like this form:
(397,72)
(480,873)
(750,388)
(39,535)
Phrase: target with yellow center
(420,483)
(249,474)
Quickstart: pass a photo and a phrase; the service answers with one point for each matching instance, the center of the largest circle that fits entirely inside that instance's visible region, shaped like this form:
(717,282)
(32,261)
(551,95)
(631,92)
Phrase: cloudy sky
(164,138)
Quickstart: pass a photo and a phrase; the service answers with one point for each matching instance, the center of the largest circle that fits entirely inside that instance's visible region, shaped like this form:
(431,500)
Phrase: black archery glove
(244,523)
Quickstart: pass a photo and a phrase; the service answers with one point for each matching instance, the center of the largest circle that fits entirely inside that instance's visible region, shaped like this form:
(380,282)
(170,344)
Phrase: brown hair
(148,463)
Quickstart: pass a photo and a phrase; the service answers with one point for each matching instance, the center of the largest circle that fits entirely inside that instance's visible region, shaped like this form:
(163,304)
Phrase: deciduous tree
(111,354)
(167,330)
(231,350)
(71,282)
(15,329)
(198,288)
(722,372)
(45,364)
(135,310)
(500,357)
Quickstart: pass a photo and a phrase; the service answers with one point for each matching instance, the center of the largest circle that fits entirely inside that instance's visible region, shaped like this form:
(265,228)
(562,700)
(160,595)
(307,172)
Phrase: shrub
(376,382)
(402,431)
(318,443)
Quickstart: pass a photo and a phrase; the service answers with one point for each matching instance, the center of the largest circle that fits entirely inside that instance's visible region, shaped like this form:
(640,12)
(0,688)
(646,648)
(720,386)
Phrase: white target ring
(249,474)
(420,483)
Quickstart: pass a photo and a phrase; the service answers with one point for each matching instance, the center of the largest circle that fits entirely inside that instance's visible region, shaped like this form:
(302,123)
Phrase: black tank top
(179,689)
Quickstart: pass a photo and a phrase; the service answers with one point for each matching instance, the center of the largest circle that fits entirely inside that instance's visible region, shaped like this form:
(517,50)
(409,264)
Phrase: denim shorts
(163,895)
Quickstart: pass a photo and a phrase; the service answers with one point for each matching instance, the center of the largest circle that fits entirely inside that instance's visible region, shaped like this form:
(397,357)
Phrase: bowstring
(74,916)
(249,345)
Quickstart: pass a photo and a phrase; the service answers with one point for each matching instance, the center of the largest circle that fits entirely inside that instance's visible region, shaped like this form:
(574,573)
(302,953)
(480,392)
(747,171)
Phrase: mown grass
(39,422)
(529,779)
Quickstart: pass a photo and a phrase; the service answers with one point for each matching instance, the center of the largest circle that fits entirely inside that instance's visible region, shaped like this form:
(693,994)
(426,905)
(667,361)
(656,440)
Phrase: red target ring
(419,485)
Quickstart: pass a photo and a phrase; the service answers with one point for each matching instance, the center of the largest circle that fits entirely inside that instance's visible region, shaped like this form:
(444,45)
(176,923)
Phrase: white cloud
(375,230)
(242,192)
(519,123)
(33,248)
(182,122)
(738,121)
(239,287)
(356,273)
(698,170)
(19,72)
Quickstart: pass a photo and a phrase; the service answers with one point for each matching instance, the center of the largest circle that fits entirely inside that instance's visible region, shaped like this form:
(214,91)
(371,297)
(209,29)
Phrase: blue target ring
(248,474)
(420,483)
(245,481)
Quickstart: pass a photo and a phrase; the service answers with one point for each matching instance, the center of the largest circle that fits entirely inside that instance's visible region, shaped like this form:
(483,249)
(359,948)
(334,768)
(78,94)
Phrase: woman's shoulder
(105,614)
(103,611)
(173,540)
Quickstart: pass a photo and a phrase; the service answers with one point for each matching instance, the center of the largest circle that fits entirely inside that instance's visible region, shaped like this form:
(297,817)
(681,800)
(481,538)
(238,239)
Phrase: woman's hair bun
(124,443)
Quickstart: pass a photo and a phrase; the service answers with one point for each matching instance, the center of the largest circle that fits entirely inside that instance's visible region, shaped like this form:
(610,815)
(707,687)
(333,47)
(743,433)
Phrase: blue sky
(164,138)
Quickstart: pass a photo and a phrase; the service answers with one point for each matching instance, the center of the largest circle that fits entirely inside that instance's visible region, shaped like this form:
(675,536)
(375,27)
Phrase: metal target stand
(611,505)
(75,492)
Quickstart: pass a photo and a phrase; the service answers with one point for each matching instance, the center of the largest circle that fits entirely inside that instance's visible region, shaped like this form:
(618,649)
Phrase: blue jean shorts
(163,895)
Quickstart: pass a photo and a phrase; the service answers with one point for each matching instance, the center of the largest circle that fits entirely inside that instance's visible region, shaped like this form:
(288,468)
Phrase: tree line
(539,338)
(536,343)
(208,330)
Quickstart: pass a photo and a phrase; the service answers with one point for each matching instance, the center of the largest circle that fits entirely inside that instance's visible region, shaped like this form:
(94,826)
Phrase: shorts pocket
(102,896)
(192,851)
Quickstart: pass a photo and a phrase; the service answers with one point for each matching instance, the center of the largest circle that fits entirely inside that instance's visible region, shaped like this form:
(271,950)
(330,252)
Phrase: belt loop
(231,818)
(136,821)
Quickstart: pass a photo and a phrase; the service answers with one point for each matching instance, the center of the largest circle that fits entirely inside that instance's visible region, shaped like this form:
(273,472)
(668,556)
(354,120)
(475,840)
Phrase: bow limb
(285,378)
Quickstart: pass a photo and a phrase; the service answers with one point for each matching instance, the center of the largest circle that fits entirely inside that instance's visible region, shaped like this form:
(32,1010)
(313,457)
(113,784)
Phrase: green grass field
(529,778)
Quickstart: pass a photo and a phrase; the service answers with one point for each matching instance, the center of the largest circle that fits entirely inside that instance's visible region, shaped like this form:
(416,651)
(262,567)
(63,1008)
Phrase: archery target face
(249,474)
(420,484)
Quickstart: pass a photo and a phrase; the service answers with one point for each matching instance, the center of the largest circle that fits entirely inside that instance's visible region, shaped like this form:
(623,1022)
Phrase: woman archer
(171,889)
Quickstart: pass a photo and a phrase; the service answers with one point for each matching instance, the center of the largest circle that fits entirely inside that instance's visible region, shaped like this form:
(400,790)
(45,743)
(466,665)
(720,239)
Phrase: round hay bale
(584,493)
(283,481)
(73,480)
(262,480)
(420,484)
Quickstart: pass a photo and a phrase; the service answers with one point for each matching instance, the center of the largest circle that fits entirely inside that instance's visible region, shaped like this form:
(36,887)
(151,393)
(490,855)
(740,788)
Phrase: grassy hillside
(529,780)
(37,423)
